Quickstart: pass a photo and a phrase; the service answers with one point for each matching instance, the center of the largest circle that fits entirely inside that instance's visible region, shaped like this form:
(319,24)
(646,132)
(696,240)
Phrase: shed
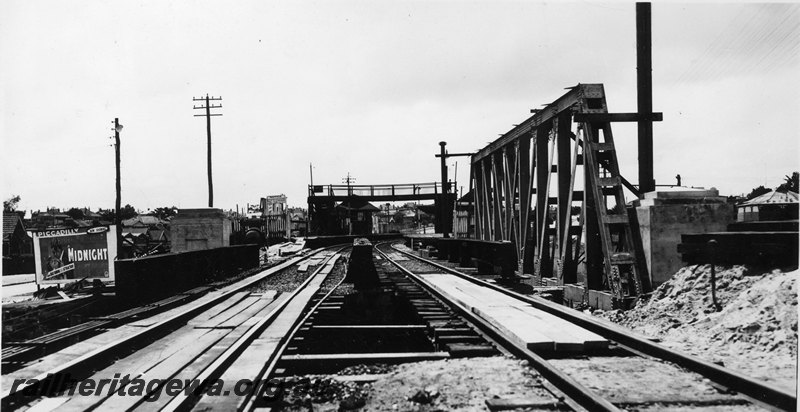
(769,207)
(355,216)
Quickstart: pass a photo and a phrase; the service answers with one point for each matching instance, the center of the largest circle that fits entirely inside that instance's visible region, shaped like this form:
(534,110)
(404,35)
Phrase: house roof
(357,205)
(135,230)
(142,220)
(773,197)
(10,224)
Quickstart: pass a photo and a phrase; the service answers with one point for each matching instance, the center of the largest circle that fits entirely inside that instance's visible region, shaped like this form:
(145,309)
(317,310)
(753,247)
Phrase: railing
(379,190)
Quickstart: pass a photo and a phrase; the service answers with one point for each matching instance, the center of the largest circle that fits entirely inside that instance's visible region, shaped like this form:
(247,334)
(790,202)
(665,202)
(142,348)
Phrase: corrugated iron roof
(773,197)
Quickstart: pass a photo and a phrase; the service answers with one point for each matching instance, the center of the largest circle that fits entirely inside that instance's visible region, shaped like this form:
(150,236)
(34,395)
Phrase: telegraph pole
(118,203)
(349,180)
(308,212)
(208,106)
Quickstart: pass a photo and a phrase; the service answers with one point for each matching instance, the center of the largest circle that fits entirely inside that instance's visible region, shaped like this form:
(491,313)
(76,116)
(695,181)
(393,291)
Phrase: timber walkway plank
(538,330)
(111,338)
(253,362)
(180,355)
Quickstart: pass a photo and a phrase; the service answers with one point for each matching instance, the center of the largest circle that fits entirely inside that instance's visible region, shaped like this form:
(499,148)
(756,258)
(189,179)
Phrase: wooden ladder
(603,181)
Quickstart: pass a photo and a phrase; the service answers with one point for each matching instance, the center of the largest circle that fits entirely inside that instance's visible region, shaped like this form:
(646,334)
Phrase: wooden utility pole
(443,209)
(118,203)
(208,106)
(644,94)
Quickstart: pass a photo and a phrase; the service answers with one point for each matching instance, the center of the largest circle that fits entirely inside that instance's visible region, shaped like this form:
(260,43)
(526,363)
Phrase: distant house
(142,221)
(464,222)
(355,216)
(52,218)
(16,241)
(769,206)
(299,221)
(273,205)
(145,235)
(17,246)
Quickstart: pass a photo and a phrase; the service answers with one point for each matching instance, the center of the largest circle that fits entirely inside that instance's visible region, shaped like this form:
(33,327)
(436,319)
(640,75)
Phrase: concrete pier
(665,214)
(200,229)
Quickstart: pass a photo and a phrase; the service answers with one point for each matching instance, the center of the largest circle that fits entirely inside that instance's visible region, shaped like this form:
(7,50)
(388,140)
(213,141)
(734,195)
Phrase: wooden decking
(519,321)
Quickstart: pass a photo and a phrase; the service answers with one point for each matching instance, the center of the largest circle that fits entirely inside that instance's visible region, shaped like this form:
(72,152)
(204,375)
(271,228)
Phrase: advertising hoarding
(66,255)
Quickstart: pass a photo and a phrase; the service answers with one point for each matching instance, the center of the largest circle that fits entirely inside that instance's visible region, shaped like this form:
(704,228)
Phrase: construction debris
(755,332)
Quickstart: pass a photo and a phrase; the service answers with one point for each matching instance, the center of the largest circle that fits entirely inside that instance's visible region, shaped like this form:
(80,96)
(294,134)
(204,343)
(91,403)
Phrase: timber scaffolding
(512,179)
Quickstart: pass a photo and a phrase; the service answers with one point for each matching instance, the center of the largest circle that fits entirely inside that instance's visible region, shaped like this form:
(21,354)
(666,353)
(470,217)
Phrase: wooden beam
(564,161)
(488,233)
(616,117)
(543,116)
(350,327)
(543,176)
(455,154)
(366,357)
(524,156)
(497,185)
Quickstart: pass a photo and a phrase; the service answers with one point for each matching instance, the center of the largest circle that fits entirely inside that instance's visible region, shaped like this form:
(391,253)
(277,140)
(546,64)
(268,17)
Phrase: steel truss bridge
(555,178)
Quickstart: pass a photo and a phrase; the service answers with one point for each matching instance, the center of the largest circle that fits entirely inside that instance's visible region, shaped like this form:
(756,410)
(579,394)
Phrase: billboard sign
(66,255)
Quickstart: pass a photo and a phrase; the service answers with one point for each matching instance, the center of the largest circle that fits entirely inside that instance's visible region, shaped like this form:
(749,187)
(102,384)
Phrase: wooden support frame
(515,190)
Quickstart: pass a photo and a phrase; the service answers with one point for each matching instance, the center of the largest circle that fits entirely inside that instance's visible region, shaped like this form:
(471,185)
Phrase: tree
(106,215)
(164,213)
(128,212)
(75,213)
(10,204)
(791,184)
(758,191)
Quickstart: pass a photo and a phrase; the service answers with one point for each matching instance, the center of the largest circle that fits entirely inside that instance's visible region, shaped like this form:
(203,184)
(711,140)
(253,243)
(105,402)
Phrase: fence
(154,277)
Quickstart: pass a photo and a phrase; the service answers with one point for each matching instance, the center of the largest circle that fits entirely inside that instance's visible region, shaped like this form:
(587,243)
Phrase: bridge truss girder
(518,198)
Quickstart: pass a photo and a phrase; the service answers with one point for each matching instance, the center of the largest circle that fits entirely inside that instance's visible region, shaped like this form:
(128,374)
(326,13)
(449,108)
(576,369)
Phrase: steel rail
(585,397)
(755,389)
(32,384)
(251,398)
(184,400)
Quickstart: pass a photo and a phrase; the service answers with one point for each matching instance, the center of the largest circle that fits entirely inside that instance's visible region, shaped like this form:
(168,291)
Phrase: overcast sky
(370,88)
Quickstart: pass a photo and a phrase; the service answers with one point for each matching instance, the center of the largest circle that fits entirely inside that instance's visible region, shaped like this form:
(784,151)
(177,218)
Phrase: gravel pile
(336,276)
(413,265)
(447,385)
(375,369)
(323,393)
(755,331)
(463,384)
(285,281)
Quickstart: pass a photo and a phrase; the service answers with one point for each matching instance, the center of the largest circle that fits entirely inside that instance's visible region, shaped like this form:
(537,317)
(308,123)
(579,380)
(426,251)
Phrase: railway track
(162,346)
(249,344)
(657,376)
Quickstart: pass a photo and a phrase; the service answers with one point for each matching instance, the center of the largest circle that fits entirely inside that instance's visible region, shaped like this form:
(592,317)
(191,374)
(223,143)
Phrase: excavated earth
(753,332)
(444,385)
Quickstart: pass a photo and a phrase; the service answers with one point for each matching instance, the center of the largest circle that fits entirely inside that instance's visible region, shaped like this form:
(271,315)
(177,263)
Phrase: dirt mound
(754,332)
(455,385)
